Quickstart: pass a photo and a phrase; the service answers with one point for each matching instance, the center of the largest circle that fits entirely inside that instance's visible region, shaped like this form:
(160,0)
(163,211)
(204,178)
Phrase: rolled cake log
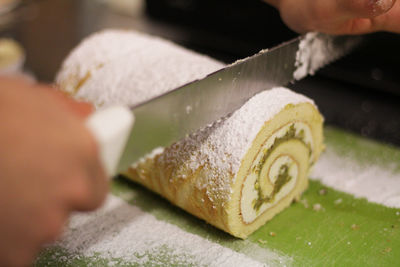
(236,174)
(242,171)
(127,67)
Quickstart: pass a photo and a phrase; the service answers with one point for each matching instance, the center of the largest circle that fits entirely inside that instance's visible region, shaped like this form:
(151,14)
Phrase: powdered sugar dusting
(373,182)
(236,134)
(222,147)
(97,50)
(123,232)
(128,68)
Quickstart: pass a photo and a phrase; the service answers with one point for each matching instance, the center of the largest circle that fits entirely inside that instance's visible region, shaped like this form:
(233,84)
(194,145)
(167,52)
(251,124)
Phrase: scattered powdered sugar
(222,146)
(373,182)
(317,49)
(128,68)
(124,232)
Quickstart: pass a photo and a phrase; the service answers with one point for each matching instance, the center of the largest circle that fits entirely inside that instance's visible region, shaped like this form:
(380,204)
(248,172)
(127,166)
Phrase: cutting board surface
(326,228)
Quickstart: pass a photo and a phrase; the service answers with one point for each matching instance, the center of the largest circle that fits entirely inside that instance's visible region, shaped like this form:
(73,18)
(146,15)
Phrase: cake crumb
(387,250)
(323,192)
(272,233)
(355,226)
(317,207)
(338,201)
(305,203)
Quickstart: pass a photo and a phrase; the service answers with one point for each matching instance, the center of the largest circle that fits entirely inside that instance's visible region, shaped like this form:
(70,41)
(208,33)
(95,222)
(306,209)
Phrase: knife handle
(111,128)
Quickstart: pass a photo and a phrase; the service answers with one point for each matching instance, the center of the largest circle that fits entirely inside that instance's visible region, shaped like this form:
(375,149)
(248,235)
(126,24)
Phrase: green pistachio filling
(283,176)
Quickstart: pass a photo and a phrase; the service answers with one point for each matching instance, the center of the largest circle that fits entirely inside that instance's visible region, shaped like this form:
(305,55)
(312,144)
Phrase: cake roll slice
(243,170)
(236,174)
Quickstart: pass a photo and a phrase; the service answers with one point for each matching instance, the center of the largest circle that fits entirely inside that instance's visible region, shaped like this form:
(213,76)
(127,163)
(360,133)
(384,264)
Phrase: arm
(49,168)
(340,16)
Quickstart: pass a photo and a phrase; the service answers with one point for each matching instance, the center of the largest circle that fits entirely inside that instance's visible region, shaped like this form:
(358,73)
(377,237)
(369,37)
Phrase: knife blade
(167,118)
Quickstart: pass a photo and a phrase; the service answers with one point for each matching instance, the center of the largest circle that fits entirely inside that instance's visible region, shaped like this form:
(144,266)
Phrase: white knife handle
(111,128)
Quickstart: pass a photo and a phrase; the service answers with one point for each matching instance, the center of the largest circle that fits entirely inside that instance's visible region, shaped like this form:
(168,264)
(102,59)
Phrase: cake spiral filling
(280,163)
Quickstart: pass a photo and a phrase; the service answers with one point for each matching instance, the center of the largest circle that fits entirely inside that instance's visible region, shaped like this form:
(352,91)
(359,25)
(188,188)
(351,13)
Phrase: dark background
(360,92)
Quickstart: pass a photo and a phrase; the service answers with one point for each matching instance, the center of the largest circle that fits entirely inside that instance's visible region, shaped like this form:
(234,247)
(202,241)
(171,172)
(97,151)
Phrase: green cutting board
(349,232)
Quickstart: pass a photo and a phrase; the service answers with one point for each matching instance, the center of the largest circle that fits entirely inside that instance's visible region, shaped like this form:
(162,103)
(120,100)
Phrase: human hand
(340,16)
(49,167)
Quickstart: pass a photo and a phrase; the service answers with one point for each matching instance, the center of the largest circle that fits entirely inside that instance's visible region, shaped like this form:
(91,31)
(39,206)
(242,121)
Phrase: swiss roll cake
(127,67)
(237,173)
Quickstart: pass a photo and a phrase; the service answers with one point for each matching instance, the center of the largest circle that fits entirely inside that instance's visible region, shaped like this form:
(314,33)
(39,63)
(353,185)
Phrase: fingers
(87,183)
(96,179)
(340,16)
(87,192)
(384,18)
(50,167)
(382,6)
(389,21)
(364,8)
(95,176)
(98,183)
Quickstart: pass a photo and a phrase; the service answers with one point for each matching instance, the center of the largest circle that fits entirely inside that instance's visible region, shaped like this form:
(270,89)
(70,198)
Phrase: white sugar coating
(316,50)
(122,231)
(139,77)
(373,182)
(222,146)
(134,67)
(99,49)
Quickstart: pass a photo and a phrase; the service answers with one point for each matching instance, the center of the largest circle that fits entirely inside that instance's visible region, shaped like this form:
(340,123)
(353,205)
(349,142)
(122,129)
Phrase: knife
(167,118)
